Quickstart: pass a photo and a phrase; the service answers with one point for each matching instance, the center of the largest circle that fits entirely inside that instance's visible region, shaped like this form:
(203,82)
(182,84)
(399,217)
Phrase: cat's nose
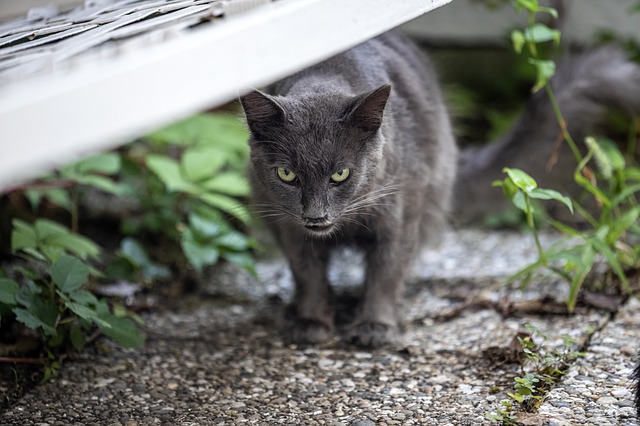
(316,222)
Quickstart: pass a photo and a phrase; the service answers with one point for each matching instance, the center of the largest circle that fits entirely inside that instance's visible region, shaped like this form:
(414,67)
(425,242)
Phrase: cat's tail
(586,86)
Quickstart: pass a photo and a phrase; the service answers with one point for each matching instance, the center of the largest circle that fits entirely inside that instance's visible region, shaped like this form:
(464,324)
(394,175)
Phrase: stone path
(221,364)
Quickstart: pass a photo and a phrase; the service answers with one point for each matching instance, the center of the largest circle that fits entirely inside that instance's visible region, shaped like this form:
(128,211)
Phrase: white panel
(56,117)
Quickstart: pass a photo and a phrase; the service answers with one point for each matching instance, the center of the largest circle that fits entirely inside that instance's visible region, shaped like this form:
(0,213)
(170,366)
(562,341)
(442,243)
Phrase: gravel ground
(221,364)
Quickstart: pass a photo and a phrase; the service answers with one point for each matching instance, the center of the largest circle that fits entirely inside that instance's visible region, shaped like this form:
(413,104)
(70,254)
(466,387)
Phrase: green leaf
(565,229)
(123,330)
(521,179)
(198,254)
(204,129)
(39,315)
(23,236)
(582,270)
(50,238)
(530,5)
(612,259)
(517,39)
(626,192)
(243,259)
(106,163)
(168,170)
(550,194)
(540,33)
(75,244)
(622,224)
(230,183)
(227,205)
(83,297)
(88,314)
(520,201)
(545,69)
(28,295)
(134,252)
(100,182)
(586,184)
(233,240)
(58,196)
(202,162)
(78,338)
(69,273)
(8,290)
(204,228)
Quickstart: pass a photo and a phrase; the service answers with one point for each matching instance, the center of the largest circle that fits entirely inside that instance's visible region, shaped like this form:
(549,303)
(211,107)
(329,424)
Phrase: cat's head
(314,156)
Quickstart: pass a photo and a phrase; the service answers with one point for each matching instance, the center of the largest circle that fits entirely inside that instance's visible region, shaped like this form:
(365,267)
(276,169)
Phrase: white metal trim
(54,118)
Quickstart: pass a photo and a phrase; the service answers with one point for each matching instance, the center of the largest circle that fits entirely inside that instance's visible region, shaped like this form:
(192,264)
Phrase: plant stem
(562,123)
(74,209)
(532,225)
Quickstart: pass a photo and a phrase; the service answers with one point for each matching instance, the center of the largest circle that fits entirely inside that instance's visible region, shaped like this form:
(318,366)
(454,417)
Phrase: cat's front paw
(308,331)
(373,335)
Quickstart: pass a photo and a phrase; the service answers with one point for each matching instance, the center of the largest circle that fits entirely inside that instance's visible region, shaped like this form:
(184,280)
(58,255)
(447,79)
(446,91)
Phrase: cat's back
(388,58)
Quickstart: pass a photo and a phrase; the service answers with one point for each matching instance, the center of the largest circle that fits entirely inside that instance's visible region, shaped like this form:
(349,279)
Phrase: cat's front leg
(387,265)
(313,303)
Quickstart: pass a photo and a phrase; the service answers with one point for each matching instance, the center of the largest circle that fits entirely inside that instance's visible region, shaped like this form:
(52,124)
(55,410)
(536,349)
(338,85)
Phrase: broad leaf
(227,205)
(100,182)
(23,236)
(8,290)
(83,297)
(517,39)
(168,170)
(550,194)
(521,179)
(228,183)
(133,251)
(106,163)
(39,315)
(123,330)
(206,228)
(198,254)
(233,240)
(545,69)
(88,314)
(539,33)
(69,273)
(202,163)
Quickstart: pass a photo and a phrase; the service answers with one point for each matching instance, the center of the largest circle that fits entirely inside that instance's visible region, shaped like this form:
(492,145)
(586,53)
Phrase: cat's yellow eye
(341,175)
(286,175)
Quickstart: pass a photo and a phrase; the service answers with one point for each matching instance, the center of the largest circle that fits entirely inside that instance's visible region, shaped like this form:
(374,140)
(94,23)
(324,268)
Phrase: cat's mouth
(319,228)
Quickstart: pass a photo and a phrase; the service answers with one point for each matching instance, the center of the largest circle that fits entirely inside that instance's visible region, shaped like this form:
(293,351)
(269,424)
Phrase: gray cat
(357,150)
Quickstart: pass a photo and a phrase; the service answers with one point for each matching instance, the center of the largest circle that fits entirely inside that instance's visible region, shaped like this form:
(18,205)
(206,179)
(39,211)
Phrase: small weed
(539,371)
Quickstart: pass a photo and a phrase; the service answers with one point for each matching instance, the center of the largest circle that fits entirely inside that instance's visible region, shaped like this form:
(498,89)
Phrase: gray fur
(402,158)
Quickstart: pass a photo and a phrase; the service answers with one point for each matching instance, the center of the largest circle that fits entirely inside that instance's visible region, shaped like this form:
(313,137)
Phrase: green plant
(200,165)
(53,299)
(65,186)
(613,234)
(540,369)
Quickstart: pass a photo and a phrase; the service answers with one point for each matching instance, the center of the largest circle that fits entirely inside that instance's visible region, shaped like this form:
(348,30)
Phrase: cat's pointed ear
(366,110)
(262,111)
